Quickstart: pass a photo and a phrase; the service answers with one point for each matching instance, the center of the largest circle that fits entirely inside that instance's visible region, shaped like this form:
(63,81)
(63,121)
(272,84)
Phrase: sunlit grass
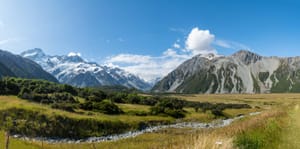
(273,105)
(134,107)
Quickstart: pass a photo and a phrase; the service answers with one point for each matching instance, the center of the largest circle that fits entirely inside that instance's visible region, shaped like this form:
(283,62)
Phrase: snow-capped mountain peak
(72,59)
(74,70)
(33,53)
(74,54)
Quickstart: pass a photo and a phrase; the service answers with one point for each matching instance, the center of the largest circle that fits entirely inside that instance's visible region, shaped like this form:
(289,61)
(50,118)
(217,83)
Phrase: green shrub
(217,112)
(104,106)
(118,97)
(133,99)
(138,113)
(108,107)
(174,113)
(64,106)
(169,106)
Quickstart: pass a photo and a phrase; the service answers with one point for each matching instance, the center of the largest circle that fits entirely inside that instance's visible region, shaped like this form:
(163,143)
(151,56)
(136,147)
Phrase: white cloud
(176,45)
(74,54)
(170,52)
(231,45)
(199,42)
(148,67)
(128,58)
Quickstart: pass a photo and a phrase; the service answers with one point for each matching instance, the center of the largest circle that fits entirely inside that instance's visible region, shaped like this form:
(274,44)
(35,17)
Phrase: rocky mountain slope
(72,69)
(242,72)
(17,66)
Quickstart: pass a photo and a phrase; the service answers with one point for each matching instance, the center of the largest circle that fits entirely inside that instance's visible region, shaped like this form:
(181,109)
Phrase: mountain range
(242,72)
(17,66)
(74,70)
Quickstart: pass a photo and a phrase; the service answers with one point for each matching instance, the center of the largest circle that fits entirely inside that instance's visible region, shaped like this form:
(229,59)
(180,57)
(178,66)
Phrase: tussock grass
(232,136)
(291,134)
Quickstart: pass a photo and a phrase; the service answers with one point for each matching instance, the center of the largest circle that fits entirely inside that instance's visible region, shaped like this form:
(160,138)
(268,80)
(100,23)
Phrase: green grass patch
(265,137)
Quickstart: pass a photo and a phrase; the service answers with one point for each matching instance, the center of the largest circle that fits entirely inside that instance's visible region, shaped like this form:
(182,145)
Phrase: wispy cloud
(231,45)
(2,42)
(179,30)
(148,67)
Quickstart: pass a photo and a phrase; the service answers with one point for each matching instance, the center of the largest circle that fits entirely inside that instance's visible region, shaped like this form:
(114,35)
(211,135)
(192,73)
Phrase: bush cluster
(169,106)
(104,106)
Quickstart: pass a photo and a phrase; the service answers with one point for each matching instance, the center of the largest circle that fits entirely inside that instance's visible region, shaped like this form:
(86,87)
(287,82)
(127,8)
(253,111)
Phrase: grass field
(279,110)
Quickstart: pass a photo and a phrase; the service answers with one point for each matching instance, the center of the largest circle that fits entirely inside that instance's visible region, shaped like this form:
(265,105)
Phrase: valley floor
(278,126)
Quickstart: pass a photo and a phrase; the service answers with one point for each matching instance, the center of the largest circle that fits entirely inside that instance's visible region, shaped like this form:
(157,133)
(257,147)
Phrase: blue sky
(119,32)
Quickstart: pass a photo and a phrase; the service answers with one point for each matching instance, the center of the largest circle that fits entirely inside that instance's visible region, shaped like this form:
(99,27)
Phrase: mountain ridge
(241,72)
(17,66)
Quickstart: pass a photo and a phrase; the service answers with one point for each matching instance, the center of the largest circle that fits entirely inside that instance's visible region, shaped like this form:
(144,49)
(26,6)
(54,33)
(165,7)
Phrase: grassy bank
(35,119)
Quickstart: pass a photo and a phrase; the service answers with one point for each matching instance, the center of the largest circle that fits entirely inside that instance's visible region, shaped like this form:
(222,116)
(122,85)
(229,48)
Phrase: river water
(129,134)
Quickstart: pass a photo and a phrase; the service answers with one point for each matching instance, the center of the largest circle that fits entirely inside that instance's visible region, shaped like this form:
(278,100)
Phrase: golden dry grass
(222,138)
(291,133)
(273,105)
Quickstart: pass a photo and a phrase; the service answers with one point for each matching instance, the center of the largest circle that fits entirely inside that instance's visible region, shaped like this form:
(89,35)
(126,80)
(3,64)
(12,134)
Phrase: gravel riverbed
(115,137)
